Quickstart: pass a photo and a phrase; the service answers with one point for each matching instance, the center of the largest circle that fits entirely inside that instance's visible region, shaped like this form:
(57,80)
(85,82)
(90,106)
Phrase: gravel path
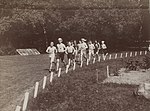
(132,77)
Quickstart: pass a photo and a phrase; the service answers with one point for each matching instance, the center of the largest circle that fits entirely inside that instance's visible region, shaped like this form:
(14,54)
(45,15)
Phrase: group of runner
(76,52)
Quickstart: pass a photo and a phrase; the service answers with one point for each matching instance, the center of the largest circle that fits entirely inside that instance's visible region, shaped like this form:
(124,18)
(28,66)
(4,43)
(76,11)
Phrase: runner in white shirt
(61,48)
(91,50)
(70,50)
(78,56)
(149,48)
(51,50)
(97,49)
(83,48)
(75,45)
(104,49)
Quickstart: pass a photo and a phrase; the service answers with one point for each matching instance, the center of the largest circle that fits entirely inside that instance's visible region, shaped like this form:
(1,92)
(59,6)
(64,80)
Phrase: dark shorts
(70,56)
(60,55)
(104,51)
(95,50)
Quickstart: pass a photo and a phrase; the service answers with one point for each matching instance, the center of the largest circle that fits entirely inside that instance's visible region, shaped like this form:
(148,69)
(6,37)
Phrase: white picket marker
(87,62)
(18,108)
(116,56)
(140,52)
(81,64)
(108,71)
(145,52)
(67,67)
(121,55)
(36,89)
(25,102)
(59,72)
(130,54)
(104,57)
(94,59)
(74,65)
(51,77)
(126,54)
(44,82)
(136,53)
(99,58)
(109,56)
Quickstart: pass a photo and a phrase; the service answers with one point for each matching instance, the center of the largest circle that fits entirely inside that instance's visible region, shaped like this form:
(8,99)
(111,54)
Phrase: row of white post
(121,56)
(26,97)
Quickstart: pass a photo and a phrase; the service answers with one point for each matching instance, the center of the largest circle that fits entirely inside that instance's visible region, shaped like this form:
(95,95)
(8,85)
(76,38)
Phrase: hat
(83,39)
(59,39)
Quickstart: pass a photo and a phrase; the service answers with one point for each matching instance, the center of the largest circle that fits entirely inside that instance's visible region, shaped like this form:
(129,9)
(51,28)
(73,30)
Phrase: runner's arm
(47,50)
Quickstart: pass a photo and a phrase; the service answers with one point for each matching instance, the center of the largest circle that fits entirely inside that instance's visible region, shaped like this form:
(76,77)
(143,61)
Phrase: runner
(97,48)
(75,45)
(60,52)
(91,50)
(51,50)
(78,58)
(83,48)
(104,49)
(70,50)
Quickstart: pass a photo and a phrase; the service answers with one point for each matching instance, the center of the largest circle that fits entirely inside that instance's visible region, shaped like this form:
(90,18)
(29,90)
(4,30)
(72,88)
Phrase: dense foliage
(34,23)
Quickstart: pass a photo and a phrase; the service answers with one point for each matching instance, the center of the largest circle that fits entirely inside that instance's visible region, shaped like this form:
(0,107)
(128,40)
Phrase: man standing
(61,48)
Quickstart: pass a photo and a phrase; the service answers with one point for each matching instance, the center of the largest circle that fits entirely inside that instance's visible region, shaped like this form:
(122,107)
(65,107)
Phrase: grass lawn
(80,91)
(18,74)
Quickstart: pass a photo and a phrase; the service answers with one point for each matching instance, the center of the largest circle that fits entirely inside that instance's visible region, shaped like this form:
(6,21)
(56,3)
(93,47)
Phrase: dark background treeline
(34,23)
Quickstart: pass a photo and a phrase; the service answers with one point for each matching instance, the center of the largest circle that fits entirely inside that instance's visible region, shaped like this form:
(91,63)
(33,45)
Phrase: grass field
(19,74)
(80,91)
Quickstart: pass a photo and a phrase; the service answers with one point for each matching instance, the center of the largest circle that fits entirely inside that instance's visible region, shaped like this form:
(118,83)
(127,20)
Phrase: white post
(136,53)
(130,54)
(25,102)
(18,108)
(140,52)
(67,67)
(99,58)
(121,55)
(44,82)
(126,54)
(59,72)
(51,77)
(116,56)
(74,65)
(109,56)
(104,57)
(81,64)
(145,52)
(36,89)
(94,59)
(107,71)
